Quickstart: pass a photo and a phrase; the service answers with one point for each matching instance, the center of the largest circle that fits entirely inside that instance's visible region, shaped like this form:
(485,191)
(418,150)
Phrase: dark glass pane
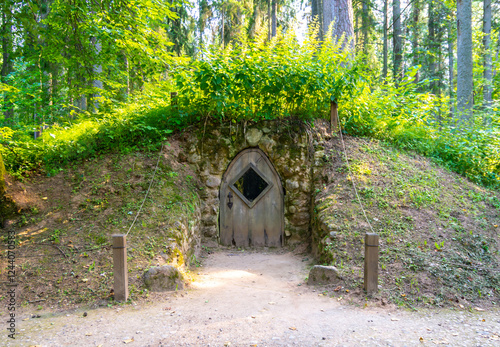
(250,184)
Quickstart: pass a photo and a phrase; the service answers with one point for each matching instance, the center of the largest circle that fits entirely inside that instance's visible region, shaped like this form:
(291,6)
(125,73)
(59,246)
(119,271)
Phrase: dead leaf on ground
(337,289)
(394,319)
(478,309)
(88,334)
(292,328)
(128,341)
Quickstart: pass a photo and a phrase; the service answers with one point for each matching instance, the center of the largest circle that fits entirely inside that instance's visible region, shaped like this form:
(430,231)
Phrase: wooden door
(251,202)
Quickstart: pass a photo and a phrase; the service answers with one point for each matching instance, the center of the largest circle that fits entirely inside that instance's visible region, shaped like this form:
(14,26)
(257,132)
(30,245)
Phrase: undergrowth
(255,80)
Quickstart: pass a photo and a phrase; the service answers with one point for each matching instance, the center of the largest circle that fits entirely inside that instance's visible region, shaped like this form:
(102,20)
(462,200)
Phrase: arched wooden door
(251,202)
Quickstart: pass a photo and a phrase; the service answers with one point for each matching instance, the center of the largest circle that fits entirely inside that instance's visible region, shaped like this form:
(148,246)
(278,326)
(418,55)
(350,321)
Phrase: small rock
(253,136)
(212,181)
(163,278)
(292,185)
(320,274)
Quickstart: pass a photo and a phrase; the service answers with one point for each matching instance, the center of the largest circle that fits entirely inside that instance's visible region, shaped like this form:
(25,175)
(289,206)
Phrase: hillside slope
(439,232)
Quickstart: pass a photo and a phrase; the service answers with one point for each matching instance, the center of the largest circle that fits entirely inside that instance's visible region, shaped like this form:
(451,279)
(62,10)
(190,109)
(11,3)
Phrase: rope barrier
(147,193)
(352,177)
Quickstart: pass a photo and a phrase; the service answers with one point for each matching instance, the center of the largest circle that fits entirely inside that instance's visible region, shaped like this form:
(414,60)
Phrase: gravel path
(254,299)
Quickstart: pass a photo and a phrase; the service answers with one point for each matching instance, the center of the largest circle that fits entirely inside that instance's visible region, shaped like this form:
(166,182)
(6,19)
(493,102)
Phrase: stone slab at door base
(163,279)
(321,274)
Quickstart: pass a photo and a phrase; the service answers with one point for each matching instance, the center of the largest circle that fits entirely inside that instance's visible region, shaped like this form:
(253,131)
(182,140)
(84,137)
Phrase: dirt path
(247,299)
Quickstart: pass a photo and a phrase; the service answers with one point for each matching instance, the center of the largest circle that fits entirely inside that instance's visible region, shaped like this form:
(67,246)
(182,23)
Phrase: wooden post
(371,263)
(334,117)
(120,267)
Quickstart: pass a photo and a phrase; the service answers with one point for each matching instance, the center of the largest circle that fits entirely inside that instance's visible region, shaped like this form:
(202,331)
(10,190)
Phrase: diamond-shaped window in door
(250,185)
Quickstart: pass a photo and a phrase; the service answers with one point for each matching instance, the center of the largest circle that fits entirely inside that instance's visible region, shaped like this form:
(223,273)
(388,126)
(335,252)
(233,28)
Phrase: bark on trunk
(450,65)
(340,12)
(269,20)
(222,32)
(487,74)
(317,14)
(385,48)
(431,46)
(414,40)
(365,25)
(396,39)
(273,33)
(464,60)
(6,52)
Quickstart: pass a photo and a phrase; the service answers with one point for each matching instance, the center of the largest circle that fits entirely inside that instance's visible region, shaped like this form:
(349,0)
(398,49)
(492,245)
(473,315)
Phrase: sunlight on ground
(219,278)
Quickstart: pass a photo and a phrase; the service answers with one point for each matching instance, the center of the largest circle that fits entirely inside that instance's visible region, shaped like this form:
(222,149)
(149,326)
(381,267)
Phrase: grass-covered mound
(63,235)
(439,233)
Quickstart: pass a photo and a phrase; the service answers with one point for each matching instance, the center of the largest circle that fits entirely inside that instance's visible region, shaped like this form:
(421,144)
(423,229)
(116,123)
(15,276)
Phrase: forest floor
(256,299)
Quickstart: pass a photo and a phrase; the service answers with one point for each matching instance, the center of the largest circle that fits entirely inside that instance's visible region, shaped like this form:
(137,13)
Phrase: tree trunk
(414,39)
(341,14)
(464,60)
(222,33)
(269,20)
(496,55)
(273,33)
(365,23)
(7,53)
(450,64)
(431,45)
(396,39)
(97,70)
(385,48)
(487,74)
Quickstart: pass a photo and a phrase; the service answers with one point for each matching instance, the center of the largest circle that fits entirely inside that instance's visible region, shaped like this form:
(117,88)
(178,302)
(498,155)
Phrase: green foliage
(422,122)
(255,80)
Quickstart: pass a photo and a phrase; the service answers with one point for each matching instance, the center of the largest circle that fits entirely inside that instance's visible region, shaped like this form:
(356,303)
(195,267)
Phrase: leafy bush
(257,80)
(422,122)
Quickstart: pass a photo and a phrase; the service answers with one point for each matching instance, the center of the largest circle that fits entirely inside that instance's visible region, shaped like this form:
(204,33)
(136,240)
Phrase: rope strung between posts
(352,177)
(149,188)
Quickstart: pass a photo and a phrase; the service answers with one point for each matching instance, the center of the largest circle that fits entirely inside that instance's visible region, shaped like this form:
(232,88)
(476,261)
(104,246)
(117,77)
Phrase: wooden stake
(371,263)
(120,271)
(334,117)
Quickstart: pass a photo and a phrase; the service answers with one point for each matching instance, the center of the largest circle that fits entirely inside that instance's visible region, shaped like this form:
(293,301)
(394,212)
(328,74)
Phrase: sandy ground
(254,299)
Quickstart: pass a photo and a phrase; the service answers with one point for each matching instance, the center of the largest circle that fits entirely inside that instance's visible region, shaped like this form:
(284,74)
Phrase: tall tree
(7,51)
(451,41)
(341,14)
(487,73)
(415,31)
(464,59)
(385,43)
(317,14)
(397,41)
(274,19)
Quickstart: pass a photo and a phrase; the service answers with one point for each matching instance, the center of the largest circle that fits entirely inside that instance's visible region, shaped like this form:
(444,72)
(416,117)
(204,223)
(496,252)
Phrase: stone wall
(291,146)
